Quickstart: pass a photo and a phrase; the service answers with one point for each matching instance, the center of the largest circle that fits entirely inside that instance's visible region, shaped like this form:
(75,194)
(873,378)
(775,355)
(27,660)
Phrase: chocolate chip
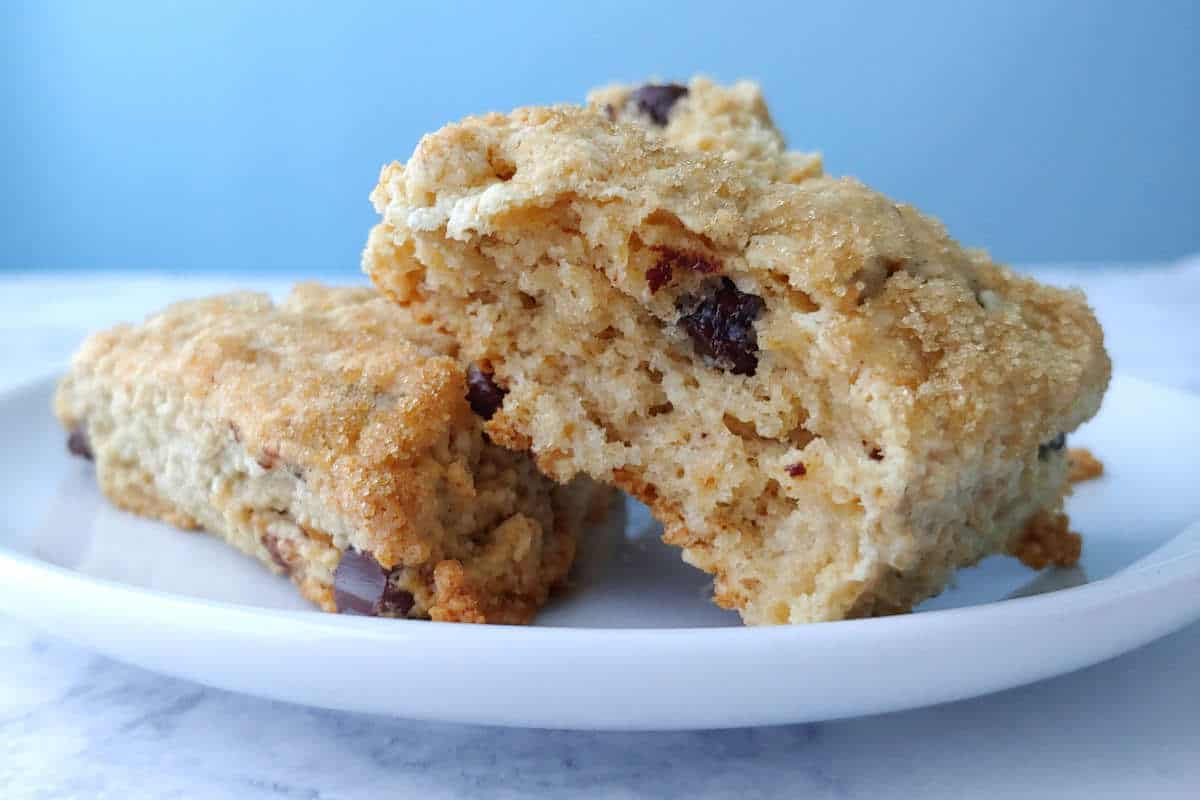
(876,454)
(359,584)
(797,470)
(78,444)
(721,325)
(483,394)
(658,276)
(656,100)
(1052,446)
(397,602)
(669,260)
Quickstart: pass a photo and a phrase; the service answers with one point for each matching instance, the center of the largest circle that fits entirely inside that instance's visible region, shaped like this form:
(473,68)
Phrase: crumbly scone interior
(232,416)
(889,428)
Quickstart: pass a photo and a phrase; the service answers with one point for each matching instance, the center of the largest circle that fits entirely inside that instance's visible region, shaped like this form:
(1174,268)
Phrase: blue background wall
(212,135)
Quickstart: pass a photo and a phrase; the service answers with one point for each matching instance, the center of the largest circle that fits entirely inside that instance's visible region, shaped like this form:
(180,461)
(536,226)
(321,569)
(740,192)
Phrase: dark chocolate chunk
(669,260)
(876,454)
(721,324)
(1052,446)
(659,275)
(483,394)
(359,584)
(78,444)
(397,602)
(656,100)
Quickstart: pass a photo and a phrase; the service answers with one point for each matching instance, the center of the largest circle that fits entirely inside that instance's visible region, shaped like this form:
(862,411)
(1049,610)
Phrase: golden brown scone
(827,401)
(729,122)
(329,438)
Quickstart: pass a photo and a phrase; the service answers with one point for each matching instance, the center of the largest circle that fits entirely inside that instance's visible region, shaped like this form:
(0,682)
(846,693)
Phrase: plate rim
(592,678)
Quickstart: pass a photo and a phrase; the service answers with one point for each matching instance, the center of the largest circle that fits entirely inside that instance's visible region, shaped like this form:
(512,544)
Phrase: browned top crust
(325,384)
(729,122)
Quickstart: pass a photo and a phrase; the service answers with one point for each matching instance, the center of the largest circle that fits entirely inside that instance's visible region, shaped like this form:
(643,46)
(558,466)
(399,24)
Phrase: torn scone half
(828,402)
(329,438)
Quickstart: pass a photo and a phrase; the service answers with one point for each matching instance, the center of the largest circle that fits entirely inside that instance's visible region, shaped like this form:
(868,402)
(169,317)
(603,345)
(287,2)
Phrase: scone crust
(327,423)
(268,373)
(728,122)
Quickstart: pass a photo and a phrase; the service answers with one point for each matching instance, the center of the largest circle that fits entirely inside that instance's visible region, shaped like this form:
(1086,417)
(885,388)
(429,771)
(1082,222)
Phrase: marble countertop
(77,725)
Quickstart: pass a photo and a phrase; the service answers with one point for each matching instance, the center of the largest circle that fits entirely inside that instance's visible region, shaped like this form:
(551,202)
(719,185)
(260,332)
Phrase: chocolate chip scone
(828,402)
(733,123)
(730,122)
(328,438)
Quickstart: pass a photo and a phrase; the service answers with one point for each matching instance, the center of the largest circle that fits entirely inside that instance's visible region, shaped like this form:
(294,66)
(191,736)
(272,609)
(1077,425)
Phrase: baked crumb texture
(330,439)
(828,402)
(1082,465)
(1047,540)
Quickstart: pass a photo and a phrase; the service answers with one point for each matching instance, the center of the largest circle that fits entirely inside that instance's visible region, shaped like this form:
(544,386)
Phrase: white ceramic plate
(636,643)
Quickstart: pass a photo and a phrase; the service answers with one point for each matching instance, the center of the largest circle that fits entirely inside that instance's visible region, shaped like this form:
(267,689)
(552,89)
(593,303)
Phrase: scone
(827,401)
(328,438)
(730,122)
(733,123)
